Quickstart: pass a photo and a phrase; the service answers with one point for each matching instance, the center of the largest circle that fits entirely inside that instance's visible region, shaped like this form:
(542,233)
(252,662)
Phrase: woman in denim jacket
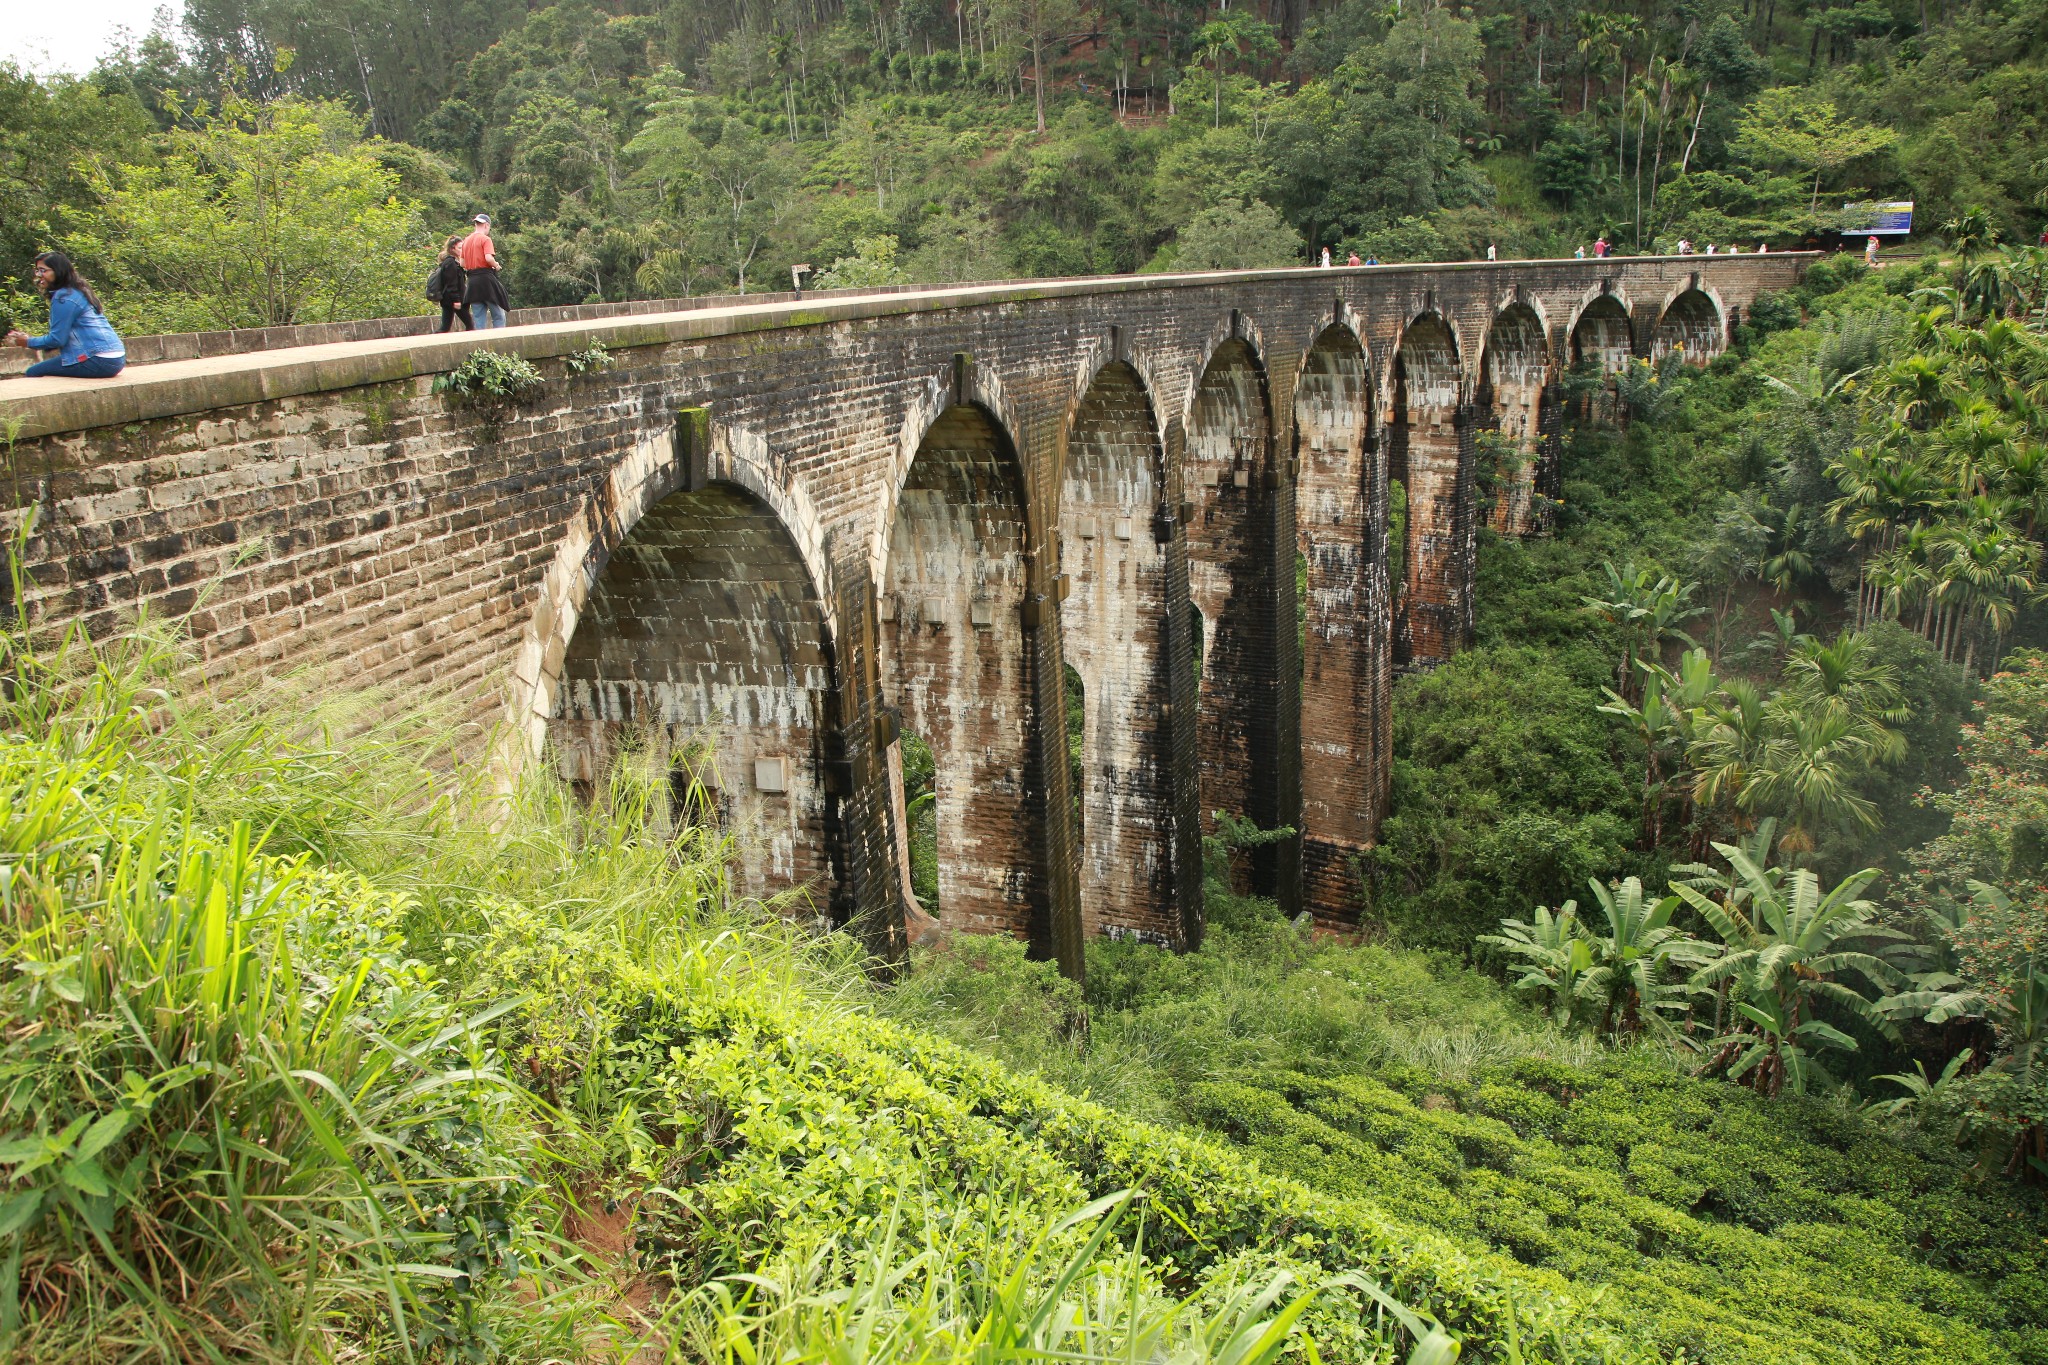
(86,344)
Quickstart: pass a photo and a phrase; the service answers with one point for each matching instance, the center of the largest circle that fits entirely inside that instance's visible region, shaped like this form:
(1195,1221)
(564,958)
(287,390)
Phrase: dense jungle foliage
(269,161)
(1724,768)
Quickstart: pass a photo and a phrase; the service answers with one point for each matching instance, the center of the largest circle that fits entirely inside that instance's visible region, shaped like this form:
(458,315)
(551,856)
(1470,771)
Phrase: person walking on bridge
(86,344)
(448,285)
(483,291)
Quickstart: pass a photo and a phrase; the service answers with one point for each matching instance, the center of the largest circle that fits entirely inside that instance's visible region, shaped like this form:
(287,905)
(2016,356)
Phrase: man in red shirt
(485,292)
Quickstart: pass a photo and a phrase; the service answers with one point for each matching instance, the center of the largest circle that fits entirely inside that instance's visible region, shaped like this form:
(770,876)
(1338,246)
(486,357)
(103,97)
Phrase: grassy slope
(732,1089)
(642,1053)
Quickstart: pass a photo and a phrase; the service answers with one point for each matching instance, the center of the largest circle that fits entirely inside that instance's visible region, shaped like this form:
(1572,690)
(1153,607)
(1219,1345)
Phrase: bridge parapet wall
(324,507)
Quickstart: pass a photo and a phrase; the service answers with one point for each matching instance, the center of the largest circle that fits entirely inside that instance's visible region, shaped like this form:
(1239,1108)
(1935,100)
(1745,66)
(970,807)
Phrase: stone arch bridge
(782,534)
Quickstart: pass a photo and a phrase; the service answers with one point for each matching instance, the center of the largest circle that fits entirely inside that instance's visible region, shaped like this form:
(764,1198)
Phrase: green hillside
(646,148)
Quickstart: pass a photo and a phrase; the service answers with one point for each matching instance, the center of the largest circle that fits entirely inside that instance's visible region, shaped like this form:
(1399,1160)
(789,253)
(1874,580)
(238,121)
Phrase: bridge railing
(271,364)
(156,349)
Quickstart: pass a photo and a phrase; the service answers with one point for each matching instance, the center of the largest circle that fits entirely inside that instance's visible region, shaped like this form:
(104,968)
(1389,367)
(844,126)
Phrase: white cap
(483,218)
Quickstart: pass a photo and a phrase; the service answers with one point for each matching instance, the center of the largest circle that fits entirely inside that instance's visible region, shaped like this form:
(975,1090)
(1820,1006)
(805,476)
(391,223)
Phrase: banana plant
(1787,946)
(1555,956)
(1632,976)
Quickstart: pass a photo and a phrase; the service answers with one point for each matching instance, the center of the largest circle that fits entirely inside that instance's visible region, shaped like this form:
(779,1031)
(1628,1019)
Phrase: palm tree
(1809,763)
(1727,886)
(1729,739)
(1989,572)
(1787,944)
(1970,232)
(1651,719)
(1921,388)
(1785,563)
(1847,676)
(1620,981)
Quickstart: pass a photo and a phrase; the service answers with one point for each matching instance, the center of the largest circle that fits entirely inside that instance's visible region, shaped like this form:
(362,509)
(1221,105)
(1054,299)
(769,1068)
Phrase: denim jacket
(77,330)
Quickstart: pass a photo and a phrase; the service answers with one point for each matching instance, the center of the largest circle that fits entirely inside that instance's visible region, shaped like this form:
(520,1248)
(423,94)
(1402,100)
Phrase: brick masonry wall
(703,645)
(1513,374)
(1430,461)
(1692,325)
(1112,626)
(323,508)
(953,661)
(1231,562)
(1340,497)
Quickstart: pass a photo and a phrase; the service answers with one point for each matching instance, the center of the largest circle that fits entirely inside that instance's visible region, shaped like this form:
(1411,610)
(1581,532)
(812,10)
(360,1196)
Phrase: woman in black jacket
(447,286)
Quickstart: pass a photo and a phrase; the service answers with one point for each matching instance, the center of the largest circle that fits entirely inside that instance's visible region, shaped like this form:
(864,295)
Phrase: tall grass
(256,1101)
(316,1052)
(1263,995)
(239,1117)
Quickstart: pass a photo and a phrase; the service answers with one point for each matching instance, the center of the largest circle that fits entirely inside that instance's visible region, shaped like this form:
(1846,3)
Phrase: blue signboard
(1878,218)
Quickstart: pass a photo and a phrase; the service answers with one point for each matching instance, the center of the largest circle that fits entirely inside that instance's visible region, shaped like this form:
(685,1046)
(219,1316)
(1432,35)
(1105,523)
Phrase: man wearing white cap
(485,293)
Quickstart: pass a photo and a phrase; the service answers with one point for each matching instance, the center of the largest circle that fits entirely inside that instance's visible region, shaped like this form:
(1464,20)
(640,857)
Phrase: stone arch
(1227,473)
(1114,632)
(1611,290)
(1340,525)
(1514,370)
(1601,333)
(1231,332)
(704,635)
(1692,321)
(1429,436)
(642,478)
(1100,353)
(963,382)
(955,660)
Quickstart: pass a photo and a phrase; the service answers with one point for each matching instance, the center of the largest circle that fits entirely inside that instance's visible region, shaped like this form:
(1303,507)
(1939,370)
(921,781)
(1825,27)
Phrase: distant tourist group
(466,283)
(1601,250)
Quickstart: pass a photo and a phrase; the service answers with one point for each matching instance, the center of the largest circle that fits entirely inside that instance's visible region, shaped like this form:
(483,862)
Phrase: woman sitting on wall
(86,344)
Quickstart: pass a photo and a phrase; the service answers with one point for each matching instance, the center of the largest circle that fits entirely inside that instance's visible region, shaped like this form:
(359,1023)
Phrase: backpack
(434,284)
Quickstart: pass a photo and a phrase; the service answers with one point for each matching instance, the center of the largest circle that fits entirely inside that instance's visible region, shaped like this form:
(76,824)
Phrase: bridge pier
(1432,457)
(957,663)
(1341,492)
(1514,371)
(1114,632)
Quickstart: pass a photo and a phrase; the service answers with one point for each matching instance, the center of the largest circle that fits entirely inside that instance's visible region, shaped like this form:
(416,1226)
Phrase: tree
(1648,609)
(873,263)
(1232,35)
(1250,236)
(256,216)
(51,131)
(733,183)
(1383,137)
(1633,961)
(1620,981)
(1555,954)
(1039,23)
(1796,126)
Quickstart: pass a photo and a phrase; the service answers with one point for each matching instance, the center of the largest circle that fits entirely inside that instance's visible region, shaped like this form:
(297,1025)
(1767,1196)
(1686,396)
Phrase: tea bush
(1712,1221)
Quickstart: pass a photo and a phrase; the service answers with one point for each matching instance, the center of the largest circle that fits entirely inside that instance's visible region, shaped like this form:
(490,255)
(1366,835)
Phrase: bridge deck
(173,388)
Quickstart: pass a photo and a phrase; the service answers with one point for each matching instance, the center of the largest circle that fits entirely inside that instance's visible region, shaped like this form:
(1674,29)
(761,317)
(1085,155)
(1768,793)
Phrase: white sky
(47,37)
